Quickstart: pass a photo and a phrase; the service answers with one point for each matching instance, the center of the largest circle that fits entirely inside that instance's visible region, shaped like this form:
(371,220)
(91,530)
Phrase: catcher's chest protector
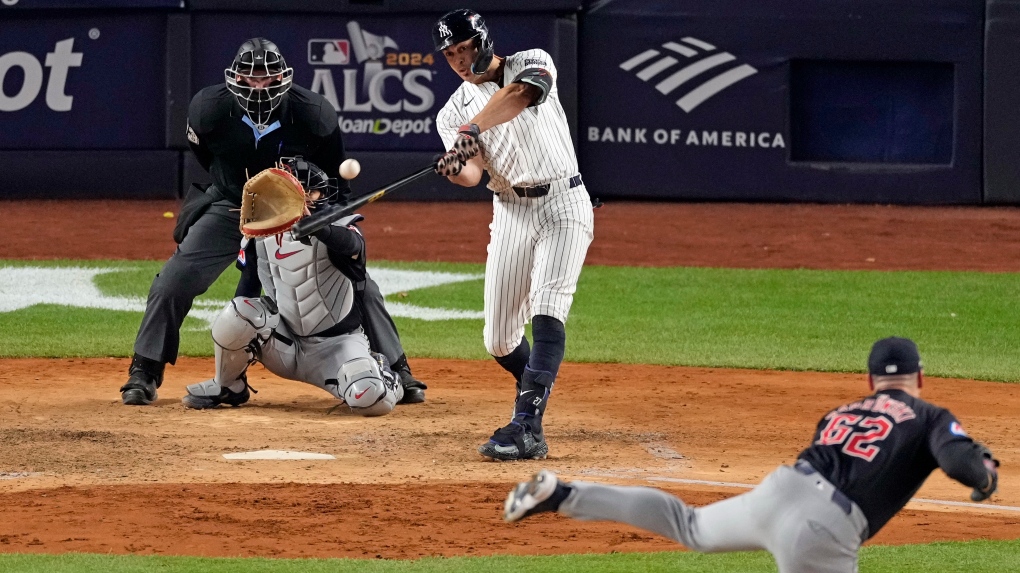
(312,294)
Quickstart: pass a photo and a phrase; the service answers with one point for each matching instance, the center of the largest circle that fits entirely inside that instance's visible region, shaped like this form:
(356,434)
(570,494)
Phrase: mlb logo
(329,52)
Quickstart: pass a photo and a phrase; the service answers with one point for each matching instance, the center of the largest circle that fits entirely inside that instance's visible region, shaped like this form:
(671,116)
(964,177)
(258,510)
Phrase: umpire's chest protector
(311,293)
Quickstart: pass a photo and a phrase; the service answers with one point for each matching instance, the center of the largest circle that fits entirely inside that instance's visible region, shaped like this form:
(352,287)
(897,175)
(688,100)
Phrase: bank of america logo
(653,64)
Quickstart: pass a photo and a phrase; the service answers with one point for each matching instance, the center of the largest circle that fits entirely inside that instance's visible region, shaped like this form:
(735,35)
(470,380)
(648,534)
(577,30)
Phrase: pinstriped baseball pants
(536,250)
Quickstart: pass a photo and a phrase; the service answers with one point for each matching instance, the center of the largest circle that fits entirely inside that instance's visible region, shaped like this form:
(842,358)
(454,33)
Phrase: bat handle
(316,221)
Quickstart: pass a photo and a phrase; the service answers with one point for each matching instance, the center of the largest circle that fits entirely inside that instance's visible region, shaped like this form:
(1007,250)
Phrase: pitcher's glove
(466,144)
(448,164)
(992,466)
(272,201)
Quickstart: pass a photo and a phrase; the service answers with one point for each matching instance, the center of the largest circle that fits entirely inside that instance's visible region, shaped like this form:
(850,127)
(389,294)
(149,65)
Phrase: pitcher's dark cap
(894,356)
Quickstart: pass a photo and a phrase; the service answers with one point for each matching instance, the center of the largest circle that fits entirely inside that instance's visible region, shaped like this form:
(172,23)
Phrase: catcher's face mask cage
(258,78)
(320,190)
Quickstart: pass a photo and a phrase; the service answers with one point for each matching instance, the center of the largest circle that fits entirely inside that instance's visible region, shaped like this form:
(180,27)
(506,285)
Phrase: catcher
(308,325)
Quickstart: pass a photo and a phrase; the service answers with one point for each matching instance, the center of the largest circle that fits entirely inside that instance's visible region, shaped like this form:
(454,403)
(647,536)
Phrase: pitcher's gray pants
(791,515)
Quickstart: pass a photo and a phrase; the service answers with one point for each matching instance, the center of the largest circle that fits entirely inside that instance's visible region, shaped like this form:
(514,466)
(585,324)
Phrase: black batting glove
(466,144)
(449,164)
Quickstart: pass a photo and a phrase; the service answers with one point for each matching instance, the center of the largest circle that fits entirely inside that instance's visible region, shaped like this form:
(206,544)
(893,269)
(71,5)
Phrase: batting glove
(449,164)
(466,144)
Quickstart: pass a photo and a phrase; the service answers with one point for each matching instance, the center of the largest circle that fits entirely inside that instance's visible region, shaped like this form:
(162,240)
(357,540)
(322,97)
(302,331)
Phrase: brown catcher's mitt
(271,203)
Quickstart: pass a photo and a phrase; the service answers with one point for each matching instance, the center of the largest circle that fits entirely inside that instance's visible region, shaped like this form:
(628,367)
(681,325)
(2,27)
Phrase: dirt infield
(80,472)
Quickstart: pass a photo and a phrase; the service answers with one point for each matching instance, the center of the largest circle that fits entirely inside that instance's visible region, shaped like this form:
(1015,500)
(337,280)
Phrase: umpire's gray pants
(207,250)
(789,514)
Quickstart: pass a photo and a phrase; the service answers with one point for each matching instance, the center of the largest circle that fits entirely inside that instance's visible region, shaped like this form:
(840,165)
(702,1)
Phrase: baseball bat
(327,216)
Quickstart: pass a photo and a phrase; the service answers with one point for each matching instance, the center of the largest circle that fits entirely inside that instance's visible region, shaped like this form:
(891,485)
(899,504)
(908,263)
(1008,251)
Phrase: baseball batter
(867,459)
(506,118)
(308,326)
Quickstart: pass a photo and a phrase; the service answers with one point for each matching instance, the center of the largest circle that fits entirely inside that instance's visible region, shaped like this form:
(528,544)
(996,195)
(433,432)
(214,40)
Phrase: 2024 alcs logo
(59,61)
(381,72)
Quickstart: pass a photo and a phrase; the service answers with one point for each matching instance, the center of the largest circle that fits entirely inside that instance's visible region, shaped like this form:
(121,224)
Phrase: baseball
(350,168)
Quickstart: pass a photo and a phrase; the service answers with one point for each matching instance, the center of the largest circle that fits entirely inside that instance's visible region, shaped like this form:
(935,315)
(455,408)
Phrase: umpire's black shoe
(144,376)
(414,389)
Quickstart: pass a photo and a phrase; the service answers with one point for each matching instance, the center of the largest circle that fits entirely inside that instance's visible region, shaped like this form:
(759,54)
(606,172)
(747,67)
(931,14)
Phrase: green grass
(776,319)
(969,557)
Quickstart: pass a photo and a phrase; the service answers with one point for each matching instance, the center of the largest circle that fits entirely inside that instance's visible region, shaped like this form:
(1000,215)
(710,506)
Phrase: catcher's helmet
(320,190)
(459,25)
(256,60)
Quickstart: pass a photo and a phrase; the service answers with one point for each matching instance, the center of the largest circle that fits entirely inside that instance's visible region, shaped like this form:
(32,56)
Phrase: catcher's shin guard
(238,334)
(368,389)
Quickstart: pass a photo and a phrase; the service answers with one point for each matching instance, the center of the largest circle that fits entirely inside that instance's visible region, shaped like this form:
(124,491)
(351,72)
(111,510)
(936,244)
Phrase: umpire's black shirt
(229,147)
(880,449)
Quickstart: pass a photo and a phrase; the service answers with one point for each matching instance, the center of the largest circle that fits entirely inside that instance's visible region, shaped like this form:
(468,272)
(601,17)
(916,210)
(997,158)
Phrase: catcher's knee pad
(243,321)
(368,390)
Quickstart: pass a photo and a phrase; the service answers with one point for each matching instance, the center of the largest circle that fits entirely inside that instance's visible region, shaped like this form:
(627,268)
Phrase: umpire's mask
(258,78)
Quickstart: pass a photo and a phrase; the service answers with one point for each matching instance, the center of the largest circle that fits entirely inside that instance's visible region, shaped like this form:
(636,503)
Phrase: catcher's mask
(320,190)
(459,25)
(258,78)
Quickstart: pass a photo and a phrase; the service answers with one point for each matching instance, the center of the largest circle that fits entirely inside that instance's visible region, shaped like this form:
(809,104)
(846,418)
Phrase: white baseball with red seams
(350,169)
(537,244)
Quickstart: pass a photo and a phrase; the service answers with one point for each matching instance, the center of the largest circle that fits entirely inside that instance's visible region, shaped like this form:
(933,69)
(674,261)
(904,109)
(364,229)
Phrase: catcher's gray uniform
(316,335)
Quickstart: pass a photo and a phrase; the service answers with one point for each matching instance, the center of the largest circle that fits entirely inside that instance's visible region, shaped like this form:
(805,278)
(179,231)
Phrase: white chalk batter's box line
(986,506)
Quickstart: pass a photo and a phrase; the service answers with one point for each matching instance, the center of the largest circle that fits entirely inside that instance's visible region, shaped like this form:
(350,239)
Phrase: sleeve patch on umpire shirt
(956,429)
(192,136)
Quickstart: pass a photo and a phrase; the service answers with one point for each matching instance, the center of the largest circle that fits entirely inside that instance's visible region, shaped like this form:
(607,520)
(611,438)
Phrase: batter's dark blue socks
(533,398)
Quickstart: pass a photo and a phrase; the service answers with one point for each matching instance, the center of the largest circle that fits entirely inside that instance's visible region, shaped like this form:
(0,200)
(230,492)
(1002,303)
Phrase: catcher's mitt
(271,203)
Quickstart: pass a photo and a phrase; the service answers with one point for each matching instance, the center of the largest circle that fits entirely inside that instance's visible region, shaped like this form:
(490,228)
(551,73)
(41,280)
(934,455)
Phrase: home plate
(278,455)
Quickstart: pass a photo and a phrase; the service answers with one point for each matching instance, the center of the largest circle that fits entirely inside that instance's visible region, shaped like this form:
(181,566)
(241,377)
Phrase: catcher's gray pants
(210,246)
(790,514)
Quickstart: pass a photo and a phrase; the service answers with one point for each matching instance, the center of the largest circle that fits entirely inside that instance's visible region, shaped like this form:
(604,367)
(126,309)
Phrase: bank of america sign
(691,67)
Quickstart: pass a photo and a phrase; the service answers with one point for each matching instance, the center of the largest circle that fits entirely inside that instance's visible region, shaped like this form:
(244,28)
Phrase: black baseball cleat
(209,394)
(514,441)
(414,389)
(142,383)
(543,492)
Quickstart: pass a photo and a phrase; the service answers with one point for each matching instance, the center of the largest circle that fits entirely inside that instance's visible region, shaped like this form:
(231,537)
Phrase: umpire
(238,129)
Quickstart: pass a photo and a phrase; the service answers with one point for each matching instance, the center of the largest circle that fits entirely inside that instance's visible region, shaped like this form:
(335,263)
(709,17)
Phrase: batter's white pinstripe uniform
(537,244)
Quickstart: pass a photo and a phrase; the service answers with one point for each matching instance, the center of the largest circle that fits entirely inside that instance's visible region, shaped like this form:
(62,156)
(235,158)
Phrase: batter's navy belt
(838,497)
(543,190)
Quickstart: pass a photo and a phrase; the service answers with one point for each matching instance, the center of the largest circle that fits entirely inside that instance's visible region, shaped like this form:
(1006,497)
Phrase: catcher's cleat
(543,492)
(414,389)
(514,441)
(140,389)
(209,394)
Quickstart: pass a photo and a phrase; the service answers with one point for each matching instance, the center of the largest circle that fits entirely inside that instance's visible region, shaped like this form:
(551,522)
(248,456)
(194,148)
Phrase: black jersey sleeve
(342,241)
(196,130)
(956,453)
